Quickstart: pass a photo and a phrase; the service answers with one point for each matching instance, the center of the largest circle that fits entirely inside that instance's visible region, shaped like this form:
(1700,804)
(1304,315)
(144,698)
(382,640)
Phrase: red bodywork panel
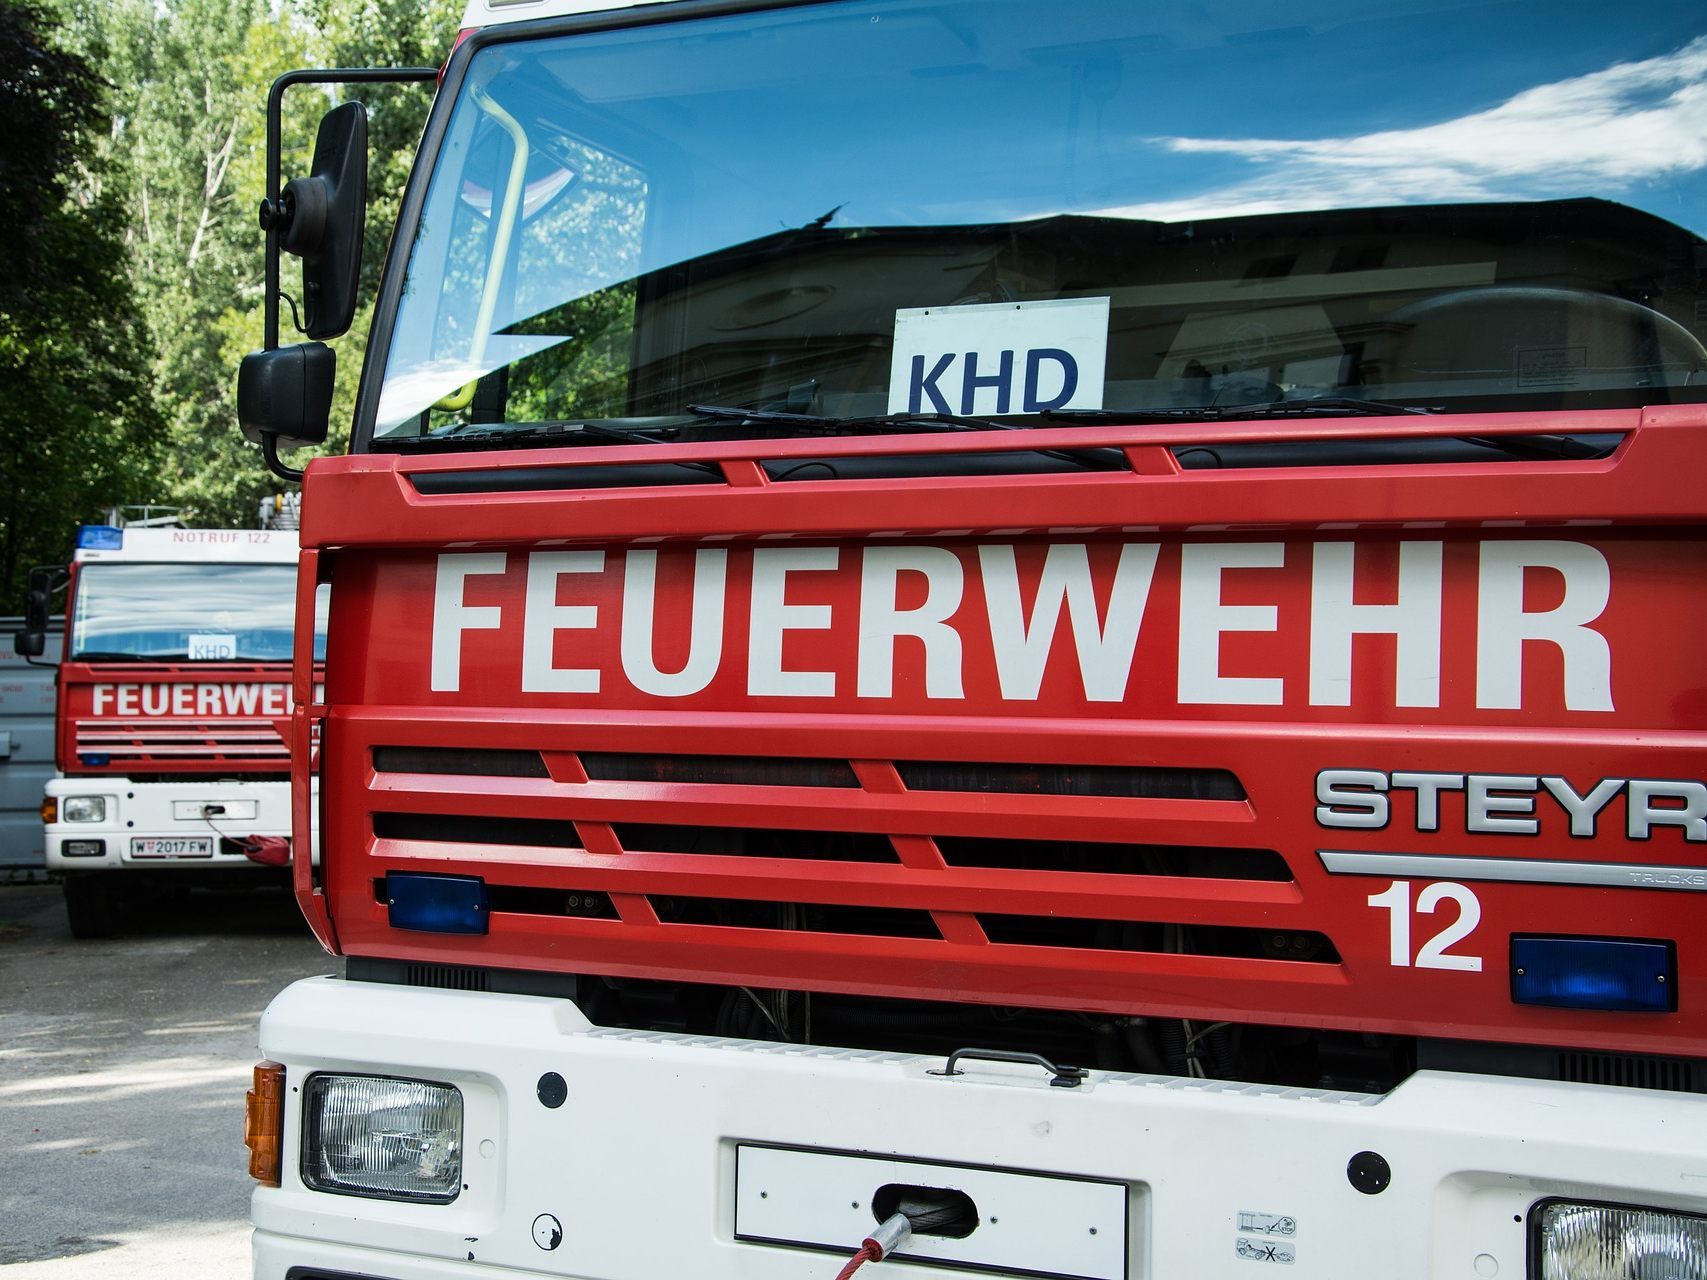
(1201,684)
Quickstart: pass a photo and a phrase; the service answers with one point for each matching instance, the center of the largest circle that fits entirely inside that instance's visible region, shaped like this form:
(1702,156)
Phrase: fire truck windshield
(187,613)
(1017,207)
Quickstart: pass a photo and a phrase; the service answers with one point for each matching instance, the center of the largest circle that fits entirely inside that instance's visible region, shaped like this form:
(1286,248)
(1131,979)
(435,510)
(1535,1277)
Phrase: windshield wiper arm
(1550,446)
(824,425)
(1547,446)
(1323,407)
(568,431)
(564,431)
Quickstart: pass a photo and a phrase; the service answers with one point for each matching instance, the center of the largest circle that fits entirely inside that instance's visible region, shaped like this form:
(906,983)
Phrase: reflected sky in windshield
(1633,129)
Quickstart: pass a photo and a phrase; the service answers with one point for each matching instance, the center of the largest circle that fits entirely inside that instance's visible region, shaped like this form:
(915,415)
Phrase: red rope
(868,1252)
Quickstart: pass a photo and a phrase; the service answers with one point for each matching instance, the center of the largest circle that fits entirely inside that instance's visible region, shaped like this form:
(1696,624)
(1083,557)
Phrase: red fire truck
(1035,639)
(173,709)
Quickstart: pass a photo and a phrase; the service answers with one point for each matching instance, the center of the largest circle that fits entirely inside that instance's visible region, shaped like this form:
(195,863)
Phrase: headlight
(375,1136)
(83,809)
(1618,1242)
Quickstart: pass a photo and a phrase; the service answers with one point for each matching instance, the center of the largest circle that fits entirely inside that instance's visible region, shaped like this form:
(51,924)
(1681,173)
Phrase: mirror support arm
(271,208)
(280,468)
(275,149)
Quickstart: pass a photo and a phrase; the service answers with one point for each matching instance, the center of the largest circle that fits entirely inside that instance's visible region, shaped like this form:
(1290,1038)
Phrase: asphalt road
(123,1066)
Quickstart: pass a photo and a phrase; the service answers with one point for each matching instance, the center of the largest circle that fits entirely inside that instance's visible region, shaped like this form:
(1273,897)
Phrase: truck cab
(1078,624)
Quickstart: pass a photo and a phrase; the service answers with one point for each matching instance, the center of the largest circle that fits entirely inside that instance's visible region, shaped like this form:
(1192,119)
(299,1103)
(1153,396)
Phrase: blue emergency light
(99,537)
(1625,975)
(95,759)
(436,904)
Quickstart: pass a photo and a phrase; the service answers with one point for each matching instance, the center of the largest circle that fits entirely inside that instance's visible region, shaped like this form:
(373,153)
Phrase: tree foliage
(78,422)
(133,148)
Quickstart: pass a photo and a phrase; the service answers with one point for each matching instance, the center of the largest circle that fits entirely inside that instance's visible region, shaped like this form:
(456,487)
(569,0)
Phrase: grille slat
(181,741)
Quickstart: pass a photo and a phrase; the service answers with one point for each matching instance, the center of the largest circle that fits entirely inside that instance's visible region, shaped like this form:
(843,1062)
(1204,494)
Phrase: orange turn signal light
(50,810)
(263,1122)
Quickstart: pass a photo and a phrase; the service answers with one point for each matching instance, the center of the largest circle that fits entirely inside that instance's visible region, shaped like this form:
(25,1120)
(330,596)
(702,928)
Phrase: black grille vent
(806,917)
(757,842)
(1071,780)
(1675,1075)
(468,761)
(459,829)
(544,479)
(445,977)
(1129,935)
(745,771)
(1114,859)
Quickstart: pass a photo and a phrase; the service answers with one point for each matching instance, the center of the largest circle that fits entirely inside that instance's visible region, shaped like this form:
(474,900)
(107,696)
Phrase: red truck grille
(166,743)
(956,858)
(1006,881)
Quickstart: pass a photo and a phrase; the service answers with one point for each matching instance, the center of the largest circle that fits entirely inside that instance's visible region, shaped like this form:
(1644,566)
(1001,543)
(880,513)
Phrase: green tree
(78,426)
(191,80)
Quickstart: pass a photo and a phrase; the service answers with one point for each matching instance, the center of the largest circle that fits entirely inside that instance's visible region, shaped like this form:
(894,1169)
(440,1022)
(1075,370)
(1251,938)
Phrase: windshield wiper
(1546,446)
(114,655)
(823,424)
(462,434)
(1324,407)
(1550,446)
(812,424)
(571,431)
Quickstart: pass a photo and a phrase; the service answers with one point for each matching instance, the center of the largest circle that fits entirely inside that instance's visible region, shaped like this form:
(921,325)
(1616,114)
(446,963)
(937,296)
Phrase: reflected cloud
(1597,134)
(411,391)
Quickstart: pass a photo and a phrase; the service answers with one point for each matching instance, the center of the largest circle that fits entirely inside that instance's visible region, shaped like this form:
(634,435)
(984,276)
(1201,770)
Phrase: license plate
(171,847)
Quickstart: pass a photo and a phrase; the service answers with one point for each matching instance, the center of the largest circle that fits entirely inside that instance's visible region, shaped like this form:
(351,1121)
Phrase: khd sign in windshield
(1002,357)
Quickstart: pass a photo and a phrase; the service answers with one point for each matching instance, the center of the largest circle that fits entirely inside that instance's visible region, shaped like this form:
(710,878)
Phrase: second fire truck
(174,699)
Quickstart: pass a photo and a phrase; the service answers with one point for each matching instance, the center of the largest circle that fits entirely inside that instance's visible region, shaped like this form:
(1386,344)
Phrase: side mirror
(31,642)
(321,218)
(286,394)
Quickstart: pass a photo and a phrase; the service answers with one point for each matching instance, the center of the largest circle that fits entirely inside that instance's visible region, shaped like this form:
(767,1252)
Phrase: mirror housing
(286,394)
(31,642)
(321,219)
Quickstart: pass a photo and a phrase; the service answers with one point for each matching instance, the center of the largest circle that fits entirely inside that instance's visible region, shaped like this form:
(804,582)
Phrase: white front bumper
(638,1165)
(137,809)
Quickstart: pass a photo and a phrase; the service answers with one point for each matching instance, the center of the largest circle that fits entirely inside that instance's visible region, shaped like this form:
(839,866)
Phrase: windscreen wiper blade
(825,426)
(114,655)
(1549,445)
(569,431)
(1323,407)
(566,431)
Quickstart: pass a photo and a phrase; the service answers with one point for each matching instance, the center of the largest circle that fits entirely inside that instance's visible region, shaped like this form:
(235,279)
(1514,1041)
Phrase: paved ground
(123,1066)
